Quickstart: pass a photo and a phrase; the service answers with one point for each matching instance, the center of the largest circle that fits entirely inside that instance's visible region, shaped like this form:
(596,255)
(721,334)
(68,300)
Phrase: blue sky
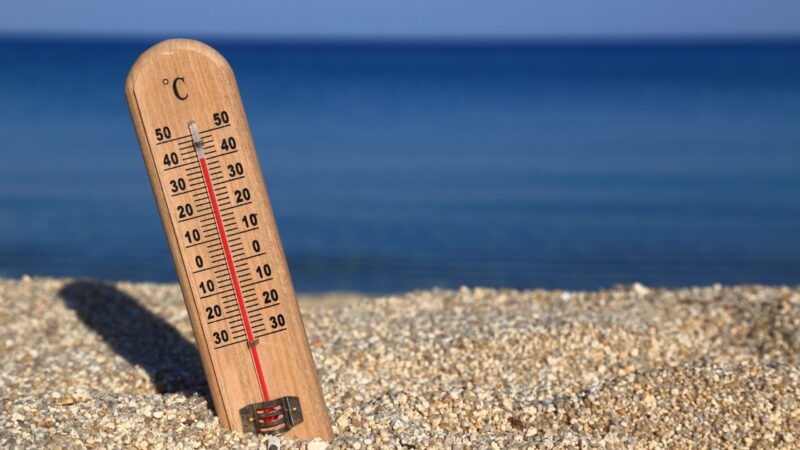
(406,18)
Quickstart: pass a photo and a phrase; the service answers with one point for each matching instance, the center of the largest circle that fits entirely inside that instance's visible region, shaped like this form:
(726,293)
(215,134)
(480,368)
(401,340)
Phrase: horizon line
(587,40)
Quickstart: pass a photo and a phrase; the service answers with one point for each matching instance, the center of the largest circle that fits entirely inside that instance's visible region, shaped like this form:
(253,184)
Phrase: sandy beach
(87,364)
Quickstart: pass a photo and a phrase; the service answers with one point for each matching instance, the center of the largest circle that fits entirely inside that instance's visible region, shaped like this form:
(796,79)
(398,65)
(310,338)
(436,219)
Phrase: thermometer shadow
(138,335)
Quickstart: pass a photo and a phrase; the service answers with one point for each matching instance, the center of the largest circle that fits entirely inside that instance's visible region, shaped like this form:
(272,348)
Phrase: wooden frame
(222,234)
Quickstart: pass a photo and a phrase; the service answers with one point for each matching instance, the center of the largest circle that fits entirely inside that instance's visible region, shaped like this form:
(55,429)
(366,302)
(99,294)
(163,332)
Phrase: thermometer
(217,217)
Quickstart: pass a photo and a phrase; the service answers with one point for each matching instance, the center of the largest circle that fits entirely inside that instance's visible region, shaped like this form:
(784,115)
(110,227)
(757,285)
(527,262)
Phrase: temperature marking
(190,136)
(197,141)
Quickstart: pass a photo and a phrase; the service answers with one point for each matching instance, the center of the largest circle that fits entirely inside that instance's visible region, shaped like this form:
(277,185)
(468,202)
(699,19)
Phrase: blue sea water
(393,167)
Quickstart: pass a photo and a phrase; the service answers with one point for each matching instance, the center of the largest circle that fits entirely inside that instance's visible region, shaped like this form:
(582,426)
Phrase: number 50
(220,118)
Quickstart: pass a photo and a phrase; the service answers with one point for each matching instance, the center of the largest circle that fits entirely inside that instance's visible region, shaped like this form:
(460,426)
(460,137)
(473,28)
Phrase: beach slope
(87,364)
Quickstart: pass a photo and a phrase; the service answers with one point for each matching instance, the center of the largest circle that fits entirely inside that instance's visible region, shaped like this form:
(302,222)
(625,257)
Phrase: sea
(395,166)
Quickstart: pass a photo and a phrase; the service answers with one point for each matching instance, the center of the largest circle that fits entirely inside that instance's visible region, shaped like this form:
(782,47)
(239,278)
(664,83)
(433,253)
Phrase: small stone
(516,423)
(398,425)
(273,443)
(640,289)
(317,444)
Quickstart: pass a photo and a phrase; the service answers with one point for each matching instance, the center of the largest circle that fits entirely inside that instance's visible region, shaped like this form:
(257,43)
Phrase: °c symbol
(175,89)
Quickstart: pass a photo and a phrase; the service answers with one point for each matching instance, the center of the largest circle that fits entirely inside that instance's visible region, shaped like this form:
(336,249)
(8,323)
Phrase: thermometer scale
(218,220)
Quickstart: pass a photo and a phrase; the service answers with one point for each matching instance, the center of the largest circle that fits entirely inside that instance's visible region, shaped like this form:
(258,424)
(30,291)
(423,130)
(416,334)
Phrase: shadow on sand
(139,336)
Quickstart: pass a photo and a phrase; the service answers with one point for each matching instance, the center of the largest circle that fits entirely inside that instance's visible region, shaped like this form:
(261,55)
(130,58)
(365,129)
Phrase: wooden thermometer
(207,182)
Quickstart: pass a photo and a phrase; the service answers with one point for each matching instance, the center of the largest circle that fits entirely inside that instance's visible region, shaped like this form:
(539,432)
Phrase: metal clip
(274,417)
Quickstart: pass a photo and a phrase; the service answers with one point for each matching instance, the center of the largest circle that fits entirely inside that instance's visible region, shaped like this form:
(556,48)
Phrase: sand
(103,365)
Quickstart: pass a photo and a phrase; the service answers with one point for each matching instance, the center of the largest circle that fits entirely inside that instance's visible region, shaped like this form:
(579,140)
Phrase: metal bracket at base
(273,417)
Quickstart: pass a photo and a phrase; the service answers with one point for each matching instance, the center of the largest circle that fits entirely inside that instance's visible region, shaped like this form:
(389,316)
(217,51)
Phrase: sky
(449,19)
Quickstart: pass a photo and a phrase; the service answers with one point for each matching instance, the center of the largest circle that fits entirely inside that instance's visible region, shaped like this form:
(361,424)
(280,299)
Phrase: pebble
(109,365)
(317,445)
